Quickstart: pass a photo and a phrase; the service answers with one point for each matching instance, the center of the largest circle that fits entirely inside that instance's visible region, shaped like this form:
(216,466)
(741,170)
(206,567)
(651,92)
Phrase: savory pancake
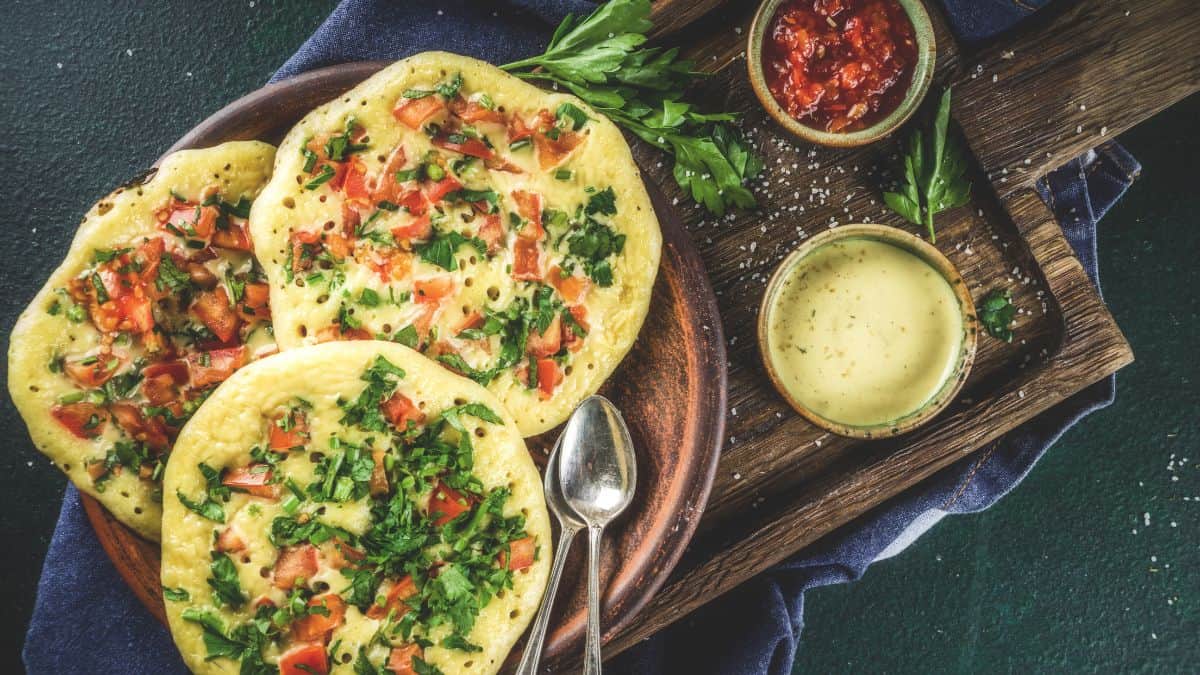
(347,507)
(158,300)
(498,228)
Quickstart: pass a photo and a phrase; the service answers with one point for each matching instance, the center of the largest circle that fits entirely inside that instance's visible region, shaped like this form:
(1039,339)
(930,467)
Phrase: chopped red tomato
(151,431)
(84,420)
(571,288)
(255,303)
(126,306)
(472,112)
(467,146)
(294,563)
(305,659)
(254,479)
(192,219)
(394,600)
(148,256)
(548,342)
(215,366)
(338,554)
(527,264)
(136,309)
(294,436)
(492,233)
(549,377)
(230,541)
(522,551)
(436,191)
(400,661)
(391,265)
(378,484)
(552,151)
(235,237)
(529,207)
(215,312)
(319,627)
(338,246)
(161,381)
(400,410)
(414,202)
(355,184)
(306,244)
(518,130)
(472,320)
(419,228)
(385,187)
(446,504)
(424,321)
(432,290)
(413,112)
(93,371)
(573,340)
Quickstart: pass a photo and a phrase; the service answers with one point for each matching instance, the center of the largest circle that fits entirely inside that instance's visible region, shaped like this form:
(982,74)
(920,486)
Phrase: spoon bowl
(597,467)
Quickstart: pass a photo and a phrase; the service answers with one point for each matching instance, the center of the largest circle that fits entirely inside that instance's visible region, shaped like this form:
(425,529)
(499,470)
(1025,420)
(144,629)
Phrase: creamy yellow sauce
(863,333)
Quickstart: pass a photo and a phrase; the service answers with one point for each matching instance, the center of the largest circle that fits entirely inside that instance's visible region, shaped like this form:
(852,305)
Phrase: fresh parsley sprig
(934,173)
(600,59)
(996,313)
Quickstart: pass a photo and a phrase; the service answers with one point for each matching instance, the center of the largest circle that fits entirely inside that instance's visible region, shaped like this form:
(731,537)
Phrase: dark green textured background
(1052,579)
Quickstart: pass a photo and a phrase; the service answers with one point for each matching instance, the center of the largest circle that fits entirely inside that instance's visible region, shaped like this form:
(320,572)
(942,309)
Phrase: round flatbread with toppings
(443,204)
(351,507)
(158,300)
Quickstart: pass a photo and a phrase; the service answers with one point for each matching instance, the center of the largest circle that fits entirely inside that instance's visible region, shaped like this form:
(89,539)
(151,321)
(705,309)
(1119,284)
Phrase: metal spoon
(598,471)
(569,526)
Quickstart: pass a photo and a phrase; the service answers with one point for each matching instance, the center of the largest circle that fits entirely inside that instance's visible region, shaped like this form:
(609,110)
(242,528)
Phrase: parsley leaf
(934,173)
(170,277)
(224,581)
(208,509)
(442,247)
(176,594)
(600,59)
(381,379)
(996,313)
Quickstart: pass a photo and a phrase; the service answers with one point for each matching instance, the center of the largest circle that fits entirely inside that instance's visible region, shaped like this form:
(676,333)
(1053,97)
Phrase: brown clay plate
(671,390)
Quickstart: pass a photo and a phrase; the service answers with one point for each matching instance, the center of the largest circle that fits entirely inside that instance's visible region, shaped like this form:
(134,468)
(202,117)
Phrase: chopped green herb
(996,313)
(327,172)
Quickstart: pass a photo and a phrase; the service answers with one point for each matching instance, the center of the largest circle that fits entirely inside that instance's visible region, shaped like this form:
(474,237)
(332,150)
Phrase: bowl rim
(917,89)
(932,257)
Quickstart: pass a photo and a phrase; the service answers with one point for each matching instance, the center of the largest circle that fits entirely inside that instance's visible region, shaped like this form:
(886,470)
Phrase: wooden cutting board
(1068,79)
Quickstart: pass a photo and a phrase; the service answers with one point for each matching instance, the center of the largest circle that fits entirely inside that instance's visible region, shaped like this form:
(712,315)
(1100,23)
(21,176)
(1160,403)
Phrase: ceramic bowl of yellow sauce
(867,331)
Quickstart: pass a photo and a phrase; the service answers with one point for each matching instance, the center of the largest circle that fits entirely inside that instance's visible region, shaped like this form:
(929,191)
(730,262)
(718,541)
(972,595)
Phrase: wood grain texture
(666,388)
(1074,81)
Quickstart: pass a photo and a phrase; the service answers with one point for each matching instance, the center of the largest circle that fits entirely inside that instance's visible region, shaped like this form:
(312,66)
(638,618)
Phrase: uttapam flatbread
(158,299)
(351,507)
(500,229)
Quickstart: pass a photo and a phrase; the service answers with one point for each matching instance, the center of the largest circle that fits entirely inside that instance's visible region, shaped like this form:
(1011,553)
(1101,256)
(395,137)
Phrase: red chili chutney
(839,65)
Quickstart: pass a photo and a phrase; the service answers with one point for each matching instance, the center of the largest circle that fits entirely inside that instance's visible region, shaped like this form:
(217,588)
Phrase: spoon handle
(537,636)
(591,657)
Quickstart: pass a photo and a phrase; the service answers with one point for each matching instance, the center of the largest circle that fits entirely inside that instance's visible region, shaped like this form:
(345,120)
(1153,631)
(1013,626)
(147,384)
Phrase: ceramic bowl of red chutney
(841,73)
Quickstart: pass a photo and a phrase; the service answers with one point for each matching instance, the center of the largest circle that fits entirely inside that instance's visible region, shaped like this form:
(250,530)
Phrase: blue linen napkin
(753,631)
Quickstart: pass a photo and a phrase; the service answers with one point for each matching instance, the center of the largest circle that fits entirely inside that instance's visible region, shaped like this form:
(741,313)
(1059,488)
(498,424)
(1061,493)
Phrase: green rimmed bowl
(918,86)
(922,250)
